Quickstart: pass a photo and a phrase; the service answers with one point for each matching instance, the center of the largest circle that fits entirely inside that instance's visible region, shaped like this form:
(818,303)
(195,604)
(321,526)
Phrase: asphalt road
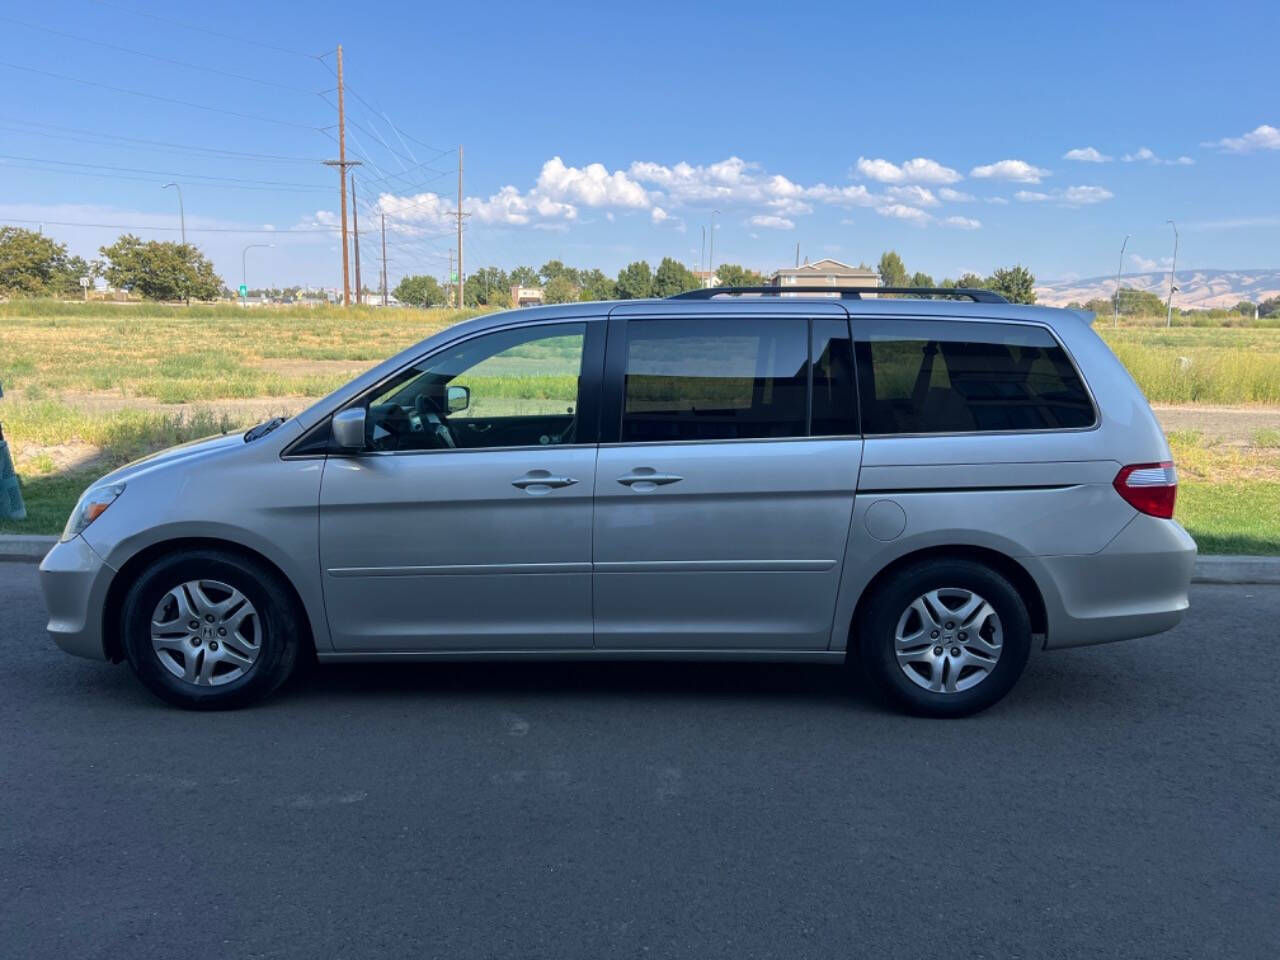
(1123,801)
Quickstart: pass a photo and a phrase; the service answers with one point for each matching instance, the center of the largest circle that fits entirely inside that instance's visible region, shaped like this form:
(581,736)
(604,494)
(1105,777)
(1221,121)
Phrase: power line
(217,152)
(156,57)
(135,226)
(156,96)
(238,38)
(170,174)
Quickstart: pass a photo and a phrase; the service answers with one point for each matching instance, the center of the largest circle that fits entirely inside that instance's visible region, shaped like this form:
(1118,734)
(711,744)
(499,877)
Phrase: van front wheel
(208,629)
(944,638)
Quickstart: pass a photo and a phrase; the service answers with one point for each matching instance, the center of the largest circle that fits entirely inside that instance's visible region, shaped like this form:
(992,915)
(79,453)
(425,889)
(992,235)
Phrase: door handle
(644,479)
(541,481)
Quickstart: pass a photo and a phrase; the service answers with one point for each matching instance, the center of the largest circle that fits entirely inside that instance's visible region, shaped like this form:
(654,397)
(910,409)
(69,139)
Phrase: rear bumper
(74,580)
(1134,587)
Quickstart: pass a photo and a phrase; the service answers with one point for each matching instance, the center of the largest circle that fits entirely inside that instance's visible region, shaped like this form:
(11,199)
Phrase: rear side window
(925,376)
(715,379)
(738,379)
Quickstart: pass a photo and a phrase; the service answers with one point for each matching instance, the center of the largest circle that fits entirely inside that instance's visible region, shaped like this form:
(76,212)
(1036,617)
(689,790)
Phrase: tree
(971,281)
(596,286)
(554,268)
(921,279)
(33,265)
(160,271)
(1015,284)
(524,277)
(891,269)
(673,277)
(1269,308)
(420,291)
(487,285)
(635,281)
(733,275)
(559,289)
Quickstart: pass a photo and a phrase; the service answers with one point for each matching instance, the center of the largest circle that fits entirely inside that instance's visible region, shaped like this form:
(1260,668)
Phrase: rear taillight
(1149,487)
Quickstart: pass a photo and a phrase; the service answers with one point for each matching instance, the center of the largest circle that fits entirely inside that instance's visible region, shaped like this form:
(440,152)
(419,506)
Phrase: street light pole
(1173,274)
(244,269)
(182,216)
(711,256)
(1115,322)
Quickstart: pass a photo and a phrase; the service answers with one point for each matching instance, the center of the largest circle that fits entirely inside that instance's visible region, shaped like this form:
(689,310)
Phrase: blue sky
(602,133)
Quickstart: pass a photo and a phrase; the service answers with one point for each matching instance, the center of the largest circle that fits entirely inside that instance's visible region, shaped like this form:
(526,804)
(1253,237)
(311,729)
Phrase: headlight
(91,506)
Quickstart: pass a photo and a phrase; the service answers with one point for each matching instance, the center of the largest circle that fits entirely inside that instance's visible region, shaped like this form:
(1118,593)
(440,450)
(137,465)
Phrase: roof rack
(846,293)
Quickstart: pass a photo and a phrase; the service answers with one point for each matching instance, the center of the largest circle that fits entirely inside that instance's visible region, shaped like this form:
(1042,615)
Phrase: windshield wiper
(262,429)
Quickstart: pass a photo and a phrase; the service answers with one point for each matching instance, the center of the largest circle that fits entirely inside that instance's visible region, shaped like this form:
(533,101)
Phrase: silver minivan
(920,488)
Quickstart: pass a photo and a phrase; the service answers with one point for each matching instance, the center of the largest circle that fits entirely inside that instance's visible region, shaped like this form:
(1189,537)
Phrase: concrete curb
(1209,569)
(25,547)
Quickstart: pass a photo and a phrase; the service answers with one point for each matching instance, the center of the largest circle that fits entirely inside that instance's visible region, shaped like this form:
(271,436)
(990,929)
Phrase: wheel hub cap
(206,633)
(948,640)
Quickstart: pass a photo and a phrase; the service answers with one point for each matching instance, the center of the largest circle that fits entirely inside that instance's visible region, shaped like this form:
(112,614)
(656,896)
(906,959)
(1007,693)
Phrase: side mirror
(457,399)
(348,429)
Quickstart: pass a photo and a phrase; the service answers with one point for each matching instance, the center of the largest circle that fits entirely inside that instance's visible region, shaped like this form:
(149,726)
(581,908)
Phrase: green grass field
(91,387)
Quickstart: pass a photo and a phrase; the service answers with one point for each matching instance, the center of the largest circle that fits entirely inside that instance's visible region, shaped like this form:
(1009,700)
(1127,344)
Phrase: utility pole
(450,278)
(342,163)
(1173,275)
(461,300)
(355,224)
(1116,320)
(702,250)
(797,255)
(384,259)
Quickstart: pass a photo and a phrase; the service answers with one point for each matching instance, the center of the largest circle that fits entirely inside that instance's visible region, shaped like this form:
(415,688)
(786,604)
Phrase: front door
(725,482)
(466,523)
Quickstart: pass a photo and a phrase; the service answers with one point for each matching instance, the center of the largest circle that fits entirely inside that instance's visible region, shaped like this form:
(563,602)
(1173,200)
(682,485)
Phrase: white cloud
(913,195)
(657,215)
(1087,155)
(772,222)
(955,196)
(1018,171)
(591,186)
(1147,155)
(999,201)
(961,223)
(1145,264)
(918,170)
(1070,197)
(900,211)
(1264,137)
(1083,196)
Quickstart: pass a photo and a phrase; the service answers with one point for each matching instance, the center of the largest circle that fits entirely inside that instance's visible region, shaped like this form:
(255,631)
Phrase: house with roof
(825,273)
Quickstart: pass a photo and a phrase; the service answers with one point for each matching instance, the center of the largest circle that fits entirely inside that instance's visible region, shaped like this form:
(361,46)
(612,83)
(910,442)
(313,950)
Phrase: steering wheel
(433,423)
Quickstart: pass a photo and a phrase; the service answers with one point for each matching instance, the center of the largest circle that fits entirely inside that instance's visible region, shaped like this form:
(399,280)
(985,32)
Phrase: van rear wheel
(944,638)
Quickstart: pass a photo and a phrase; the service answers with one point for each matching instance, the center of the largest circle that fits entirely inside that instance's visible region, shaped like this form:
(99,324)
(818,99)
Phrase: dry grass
(92,386)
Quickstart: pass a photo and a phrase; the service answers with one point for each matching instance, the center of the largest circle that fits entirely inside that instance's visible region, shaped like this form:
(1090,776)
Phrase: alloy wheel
(206,633)
(948,640)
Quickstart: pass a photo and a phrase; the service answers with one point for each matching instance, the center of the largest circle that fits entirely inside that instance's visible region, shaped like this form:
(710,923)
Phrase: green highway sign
(244,291)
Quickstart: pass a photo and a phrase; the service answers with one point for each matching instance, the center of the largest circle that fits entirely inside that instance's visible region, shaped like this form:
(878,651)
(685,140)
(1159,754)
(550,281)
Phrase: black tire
(276,629)
(878,624)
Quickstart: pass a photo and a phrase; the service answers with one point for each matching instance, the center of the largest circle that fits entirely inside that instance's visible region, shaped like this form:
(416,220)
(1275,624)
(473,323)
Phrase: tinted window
(835,408)
(921,376)
(513,388)
(715,379)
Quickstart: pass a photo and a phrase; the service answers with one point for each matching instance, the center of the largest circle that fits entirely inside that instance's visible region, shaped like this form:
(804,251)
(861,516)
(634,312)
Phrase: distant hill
(1201,289)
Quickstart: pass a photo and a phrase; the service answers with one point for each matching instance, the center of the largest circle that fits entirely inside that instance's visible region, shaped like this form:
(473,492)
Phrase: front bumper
(74,580)
(1136,586)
